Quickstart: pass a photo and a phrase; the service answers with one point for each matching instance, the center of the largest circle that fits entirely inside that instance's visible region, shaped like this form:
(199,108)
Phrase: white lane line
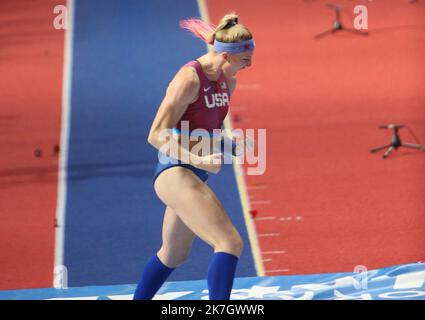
(285,219)
(267,260)
(261,202)
(289,218)
(268,234)
(277,270)
(261,187)
(264,218)
(64,140)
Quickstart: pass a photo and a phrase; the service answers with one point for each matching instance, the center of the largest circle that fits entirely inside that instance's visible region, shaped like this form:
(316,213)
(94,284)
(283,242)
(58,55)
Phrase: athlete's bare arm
(182,91)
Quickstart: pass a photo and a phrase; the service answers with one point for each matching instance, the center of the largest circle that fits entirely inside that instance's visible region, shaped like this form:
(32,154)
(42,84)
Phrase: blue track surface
(125,53)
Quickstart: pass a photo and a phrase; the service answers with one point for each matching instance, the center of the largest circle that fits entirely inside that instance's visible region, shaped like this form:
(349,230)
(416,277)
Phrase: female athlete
(198,96)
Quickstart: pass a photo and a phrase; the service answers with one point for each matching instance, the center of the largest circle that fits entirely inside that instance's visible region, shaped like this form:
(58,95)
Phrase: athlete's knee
(232,244)
(173,258)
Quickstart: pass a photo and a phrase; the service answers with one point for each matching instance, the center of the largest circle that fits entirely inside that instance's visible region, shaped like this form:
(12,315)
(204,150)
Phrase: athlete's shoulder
(184,86)
(188,74)
(186,77)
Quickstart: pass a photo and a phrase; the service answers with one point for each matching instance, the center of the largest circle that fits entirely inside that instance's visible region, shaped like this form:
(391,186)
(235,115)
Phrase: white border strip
(240,179)
(64,140)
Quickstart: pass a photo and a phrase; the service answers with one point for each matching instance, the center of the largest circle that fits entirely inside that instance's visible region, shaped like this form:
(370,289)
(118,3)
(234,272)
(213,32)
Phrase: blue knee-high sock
(153,276)
(221,273)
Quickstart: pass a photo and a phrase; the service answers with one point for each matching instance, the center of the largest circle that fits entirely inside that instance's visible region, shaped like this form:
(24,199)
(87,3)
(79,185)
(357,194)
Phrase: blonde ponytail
(228,29)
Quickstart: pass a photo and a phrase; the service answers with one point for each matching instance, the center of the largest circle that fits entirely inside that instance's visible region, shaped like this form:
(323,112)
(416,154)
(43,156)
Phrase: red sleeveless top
(212,105)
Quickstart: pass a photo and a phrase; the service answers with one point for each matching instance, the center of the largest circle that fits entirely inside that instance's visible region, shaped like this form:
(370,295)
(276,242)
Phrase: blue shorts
(202,174)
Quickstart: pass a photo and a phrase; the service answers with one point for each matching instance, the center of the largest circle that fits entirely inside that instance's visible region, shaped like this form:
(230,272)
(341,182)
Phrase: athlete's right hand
(211,163)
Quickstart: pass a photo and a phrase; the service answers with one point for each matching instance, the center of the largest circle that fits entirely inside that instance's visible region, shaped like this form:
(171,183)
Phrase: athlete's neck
(212,65)
(228,71)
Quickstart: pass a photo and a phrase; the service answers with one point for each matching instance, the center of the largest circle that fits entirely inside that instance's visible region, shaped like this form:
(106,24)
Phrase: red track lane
(31,63)
(329,204)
